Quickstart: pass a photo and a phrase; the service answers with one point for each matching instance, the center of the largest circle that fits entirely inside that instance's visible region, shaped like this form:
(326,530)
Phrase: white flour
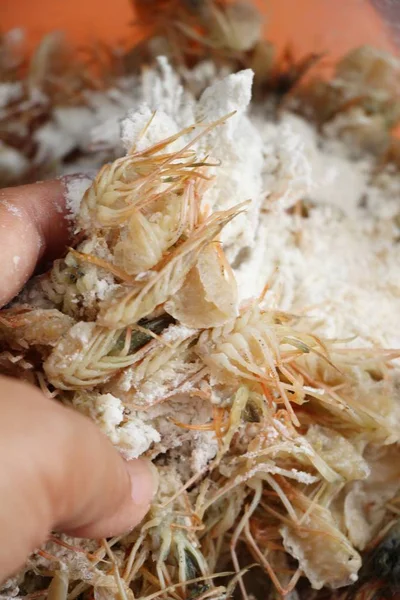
(340,265)
(132,437)
(75,187)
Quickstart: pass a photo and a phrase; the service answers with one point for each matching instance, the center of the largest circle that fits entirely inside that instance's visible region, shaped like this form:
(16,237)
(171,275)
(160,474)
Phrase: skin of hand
(58,472)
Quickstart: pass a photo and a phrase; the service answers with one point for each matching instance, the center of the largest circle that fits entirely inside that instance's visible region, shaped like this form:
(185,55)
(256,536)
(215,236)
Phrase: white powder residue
(16,260)
(303,477)
(250,267)
(341,271)
(162,90)
(75,187)
(160,126)
(339,265)
(82,332)
(10,588)
(11,208)
(292,177)
(238,147)
(205,449)
(134,438)
(177,333)
(102,288)
(170,378)
(128,433)
(199,446)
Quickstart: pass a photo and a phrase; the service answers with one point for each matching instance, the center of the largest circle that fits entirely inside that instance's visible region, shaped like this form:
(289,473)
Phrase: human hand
(57,470)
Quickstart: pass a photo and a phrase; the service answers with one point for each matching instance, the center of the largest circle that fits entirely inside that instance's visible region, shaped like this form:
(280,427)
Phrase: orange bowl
(333,26)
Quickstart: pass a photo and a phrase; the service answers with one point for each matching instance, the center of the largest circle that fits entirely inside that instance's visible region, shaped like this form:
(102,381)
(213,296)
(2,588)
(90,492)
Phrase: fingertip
(141,489)
(144,480)
(35,226)
(27,216)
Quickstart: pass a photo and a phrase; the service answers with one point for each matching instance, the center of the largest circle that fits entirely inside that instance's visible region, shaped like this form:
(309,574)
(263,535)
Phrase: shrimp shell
(208,298)
(324,553)
(84,358)
(24,326)
(246,348)
(58,589)
(132,306)
(148,237)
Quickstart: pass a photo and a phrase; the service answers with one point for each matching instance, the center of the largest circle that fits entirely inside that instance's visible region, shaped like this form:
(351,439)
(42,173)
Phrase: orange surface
(310,25)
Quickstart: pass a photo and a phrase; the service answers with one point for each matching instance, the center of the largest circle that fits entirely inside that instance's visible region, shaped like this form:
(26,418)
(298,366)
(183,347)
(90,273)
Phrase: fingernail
(144,480)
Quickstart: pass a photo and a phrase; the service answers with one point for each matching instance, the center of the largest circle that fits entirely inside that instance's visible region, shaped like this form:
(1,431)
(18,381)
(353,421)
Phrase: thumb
(59,472)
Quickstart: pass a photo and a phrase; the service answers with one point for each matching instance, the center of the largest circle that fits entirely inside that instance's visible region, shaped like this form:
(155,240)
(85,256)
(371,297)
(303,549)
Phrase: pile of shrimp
(361,101)
(143,315)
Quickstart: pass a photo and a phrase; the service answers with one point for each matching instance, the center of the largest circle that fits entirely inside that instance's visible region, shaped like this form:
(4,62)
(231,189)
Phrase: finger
(58,471)
(31,224)
(33,227)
